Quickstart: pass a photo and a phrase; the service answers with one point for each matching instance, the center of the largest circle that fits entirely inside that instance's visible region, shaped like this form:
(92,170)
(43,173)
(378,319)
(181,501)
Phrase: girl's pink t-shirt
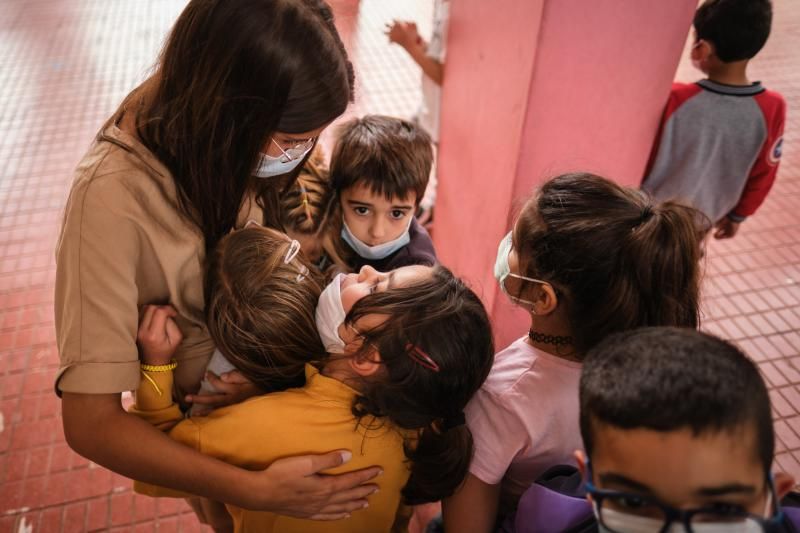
(524,419)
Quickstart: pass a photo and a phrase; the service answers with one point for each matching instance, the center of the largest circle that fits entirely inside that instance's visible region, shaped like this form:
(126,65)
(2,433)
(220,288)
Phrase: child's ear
(366,364)
(545,301)
(784,483)
(580,460)
(702,50)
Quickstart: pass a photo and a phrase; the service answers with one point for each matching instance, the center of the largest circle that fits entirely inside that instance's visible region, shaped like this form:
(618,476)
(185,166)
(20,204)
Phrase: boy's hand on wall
(726,228)
(403,33)
(158,336)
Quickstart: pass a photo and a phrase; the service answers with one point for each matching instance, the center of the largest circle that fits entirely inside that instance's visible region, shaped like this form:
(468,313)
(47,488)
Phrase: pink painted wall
(534,88)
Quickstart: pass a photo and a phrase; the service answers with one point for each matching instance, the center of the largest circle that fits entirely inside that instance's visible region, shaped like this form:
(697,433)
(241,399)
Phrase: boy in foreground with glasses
(678,435)
(678,430)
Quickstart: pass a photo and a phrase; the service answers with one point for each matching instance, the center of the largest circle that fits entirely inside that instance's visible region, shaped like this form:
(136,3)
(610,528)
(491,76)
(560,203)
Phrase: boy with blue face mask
(678,436)
(379,171)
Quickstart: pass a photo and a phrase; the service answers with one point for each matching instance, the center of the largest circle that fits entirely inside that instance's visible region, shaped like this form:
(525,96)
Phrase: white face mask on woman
(379,251)
(330,315)
(270,166)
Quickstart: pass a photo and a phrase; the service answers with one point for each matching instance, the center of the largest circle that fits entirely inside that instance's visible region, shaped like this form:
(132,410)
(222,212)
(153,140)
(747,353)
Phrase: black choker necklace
(549,339)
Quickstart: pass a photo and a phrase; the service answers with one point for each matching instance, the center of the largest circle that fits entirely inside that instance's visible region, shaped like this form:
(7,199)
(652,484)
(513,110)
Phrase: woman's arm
(473,507)
(97,427)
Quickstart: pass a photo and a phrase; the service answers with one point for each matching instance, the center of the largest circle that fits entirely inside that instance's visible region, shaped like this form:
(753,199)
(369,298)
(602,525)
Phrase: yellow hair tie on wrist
(159,368)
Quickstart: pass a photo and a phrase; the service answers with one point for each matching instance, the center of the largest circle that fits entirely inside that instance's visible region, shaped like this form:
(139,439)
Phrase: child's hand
(158,336)
(726,228)
(232,387)
(403,33)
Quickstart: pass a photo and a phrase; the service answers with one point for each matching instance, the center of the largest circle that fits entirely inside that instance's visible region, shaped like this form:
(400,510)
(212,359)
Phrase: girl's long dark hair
(443,319)
(232,73)
(618,259)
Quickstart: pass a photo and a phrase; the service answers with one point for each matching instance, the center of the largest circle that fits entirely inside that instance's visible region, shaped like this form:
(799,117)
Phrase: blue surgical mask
(502,270)
(379,251)
(270,166)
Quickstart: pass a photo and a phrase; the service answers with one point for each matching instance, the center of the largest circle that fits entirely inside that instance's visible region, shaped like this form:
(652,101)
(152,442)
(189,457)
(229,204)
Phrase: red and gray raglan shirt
(717,148)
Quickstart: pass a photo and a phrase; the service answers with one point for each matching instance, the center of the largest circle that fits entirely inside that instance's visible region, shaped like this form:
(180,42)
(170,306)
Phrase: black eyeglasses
(621,512)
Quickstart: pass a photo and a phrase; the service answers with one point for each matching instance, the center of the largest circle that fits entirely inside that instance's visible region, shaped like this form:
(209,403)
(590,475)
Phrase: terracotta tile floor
(65,65)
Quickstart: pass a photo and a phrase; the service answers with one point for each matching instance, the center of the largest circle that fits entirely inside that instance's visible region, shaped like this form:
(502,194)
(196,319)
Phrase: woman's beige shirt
(123,245)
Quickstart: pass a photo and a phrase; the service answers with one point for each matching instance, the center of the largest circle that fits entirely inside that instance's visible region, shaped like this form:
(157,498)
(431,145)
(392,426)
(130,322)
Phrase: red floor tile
(98,514)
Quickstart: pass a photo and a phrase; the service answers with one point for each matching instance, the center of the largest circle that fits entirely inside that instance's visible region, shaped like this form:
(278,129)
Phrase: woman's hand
(232,387)
(158,336)
(295,486)
(97,427)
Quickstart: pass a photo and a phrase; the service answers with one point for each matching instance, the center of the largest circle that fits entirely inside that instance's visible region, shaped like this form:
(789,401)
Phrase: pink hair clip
(420,357)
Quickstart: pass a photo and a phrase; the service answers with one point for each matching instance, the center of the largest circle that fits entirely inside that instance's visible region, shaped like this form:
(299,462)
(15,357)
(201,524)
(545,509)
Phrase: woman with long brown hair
(240,94)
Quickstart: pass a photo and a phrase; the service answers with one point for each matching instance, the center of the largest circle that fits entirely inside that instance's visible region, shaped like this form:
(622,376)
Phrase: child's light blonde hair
(262,296)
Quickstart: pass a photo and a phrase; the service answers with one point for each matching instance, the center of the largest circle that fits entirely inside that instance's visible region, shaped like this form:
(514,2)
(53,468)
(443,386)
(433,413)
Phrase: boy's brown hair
(391,155)
(260,307)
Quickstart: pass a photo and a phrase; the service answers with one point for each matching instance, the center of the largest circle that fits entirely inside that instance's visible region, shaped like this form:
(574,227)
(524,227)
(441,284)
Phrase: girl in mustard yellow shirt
(401,355)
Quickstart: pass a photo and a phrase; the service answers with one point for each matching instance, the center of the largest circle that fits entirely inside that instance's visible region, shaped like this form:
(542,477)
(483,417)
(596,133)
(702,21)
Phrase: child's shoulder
(771,100)
(510,364)
(421,244)
(681,92)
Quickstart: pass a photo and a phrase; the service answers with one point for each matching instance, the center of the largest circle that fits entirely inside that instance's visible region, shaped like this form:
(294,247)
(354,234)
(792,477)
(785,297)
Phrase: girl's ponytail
(617,260)
(662,254)
(436,348)
(439,463)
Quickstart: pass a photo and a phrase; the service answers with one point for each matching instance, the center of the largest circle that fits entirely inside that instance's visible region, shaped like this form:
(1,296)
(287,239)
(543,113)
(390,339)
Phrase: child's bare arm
(405,34)
(473,507)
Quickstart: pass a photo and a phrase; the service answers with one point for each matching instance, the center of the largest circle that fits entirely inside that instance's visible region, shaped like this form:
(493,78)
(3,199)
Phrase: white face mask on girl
(379,251)
(330,315)
(270,166)
(502,270)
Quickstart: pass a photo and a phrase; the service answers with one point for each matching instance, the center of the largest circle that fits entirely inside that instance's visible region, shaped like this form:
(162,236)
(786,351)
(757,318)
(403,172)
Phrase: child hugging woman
(390,379)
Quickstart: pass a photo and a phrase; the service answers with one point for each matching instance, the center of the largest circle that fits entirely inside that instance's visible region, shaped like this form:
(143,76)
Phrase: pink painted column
(535,88)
